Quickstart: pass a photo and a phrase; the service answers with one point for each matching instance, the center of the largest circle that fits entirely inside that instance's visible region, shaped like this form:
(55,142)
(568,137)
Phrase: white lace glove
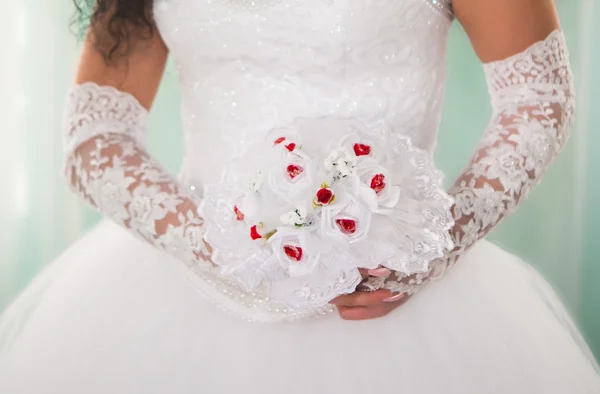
(107,165)
(533,104)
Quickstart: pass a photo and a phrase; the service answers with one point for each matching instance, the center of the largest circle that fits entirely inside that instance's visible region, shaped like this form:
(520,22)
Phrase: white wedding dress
(120,313)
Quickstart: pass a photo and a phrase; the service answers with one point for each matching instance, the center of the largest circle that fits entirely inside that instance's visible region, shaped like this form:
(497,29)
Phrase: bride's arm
(530,83)
(105,160)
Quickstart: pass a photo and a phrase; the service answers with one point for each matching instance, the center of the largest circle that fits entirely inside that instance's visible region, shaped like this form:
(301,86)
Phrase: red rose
(239,215)
(293,170)
(254,234)
(291,146)
(346,226)
(324,196)
(361,149)
(377,183)
(293,252)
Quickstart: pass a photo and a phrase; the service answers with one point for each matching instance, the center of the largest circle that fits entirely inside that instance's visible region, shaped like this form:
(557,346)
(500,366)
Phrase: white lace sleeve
(533,105)
(107,165)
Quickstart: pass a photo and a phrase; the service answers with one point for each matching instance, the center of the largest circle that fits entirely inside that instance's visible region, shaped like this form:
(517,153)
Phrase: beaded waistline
(251,306)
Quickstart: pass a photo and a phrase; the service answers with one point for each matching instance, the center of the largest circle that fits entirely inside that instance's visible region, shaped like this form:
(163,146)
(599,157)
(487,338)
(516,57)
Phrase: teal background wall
(590,118)
(556,229)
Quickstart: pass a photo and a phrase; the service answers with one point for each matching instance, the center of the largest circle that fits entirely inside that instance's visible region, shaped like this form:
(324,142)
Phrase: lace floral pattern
(107,165)
(533,101)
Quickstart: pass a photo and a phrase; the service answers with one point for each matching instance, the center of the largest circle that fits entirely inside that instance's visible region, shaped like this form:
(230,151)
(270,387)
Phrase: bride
(259,309)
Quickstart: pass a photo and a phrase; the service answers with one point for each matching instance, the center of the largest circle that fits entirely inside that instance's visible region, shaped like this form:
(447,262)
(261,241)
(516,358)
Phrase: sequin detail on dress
(444,7)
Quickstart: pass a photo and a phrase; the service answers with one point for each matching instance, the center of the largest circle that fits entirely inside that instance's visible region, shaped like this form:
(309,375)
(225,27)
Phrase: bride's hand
(365,305)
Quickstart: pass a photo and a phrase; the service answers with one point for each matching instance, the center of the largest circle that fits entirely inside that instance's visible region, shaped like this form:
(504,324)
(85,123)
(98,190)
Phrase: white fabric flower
(341,160)
(292,176)
(295,217)
(255,181)
(296,250)
(346,222)
(379,181)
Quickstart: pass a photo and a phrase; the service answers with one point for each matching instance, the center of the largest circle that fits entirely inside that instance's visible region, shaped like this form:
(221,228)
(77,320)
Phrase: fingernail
(379,272)
(395,298)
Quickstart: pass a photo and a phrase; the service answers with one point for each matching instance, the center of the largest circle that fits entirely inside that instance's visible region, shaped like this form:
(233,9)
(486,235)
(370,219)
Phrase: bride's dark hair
(114,24)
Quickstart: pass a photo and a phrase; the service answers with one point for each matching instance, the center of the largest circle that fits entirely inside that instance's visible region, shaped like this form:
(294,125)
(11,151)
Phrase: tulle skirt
(113,315)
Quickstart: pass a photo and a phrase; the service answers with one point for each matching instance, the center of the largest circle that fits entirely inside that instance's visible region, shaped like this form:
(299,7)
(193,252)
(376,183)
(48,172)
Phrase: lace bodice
(247,68)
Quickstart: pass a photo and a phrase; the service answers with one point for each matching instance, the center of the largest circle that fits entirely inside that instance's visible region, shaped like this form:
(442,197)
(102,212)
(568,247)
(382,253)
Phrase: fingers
(371,311)
(356,312)
(362,298)
(395,298)
(363,305)
(364,312)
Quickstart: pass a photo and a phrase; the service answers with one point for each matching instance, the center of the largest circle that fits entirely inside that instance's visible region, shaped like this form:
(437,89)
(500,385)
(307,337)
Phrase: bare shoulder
(139,73)
(499,29)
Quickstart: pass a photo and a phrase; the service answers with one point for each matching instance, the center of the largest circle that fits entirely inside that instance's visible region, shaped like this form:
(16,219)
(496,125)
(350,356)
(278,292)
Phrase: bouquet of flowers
(300,212)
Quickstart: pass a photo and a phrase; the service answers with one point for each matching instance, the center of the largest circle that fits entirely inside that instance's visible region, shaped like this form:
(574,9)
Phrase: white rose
(296,250)
(363,147)
(377,179)
(292,177)
(347,221)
